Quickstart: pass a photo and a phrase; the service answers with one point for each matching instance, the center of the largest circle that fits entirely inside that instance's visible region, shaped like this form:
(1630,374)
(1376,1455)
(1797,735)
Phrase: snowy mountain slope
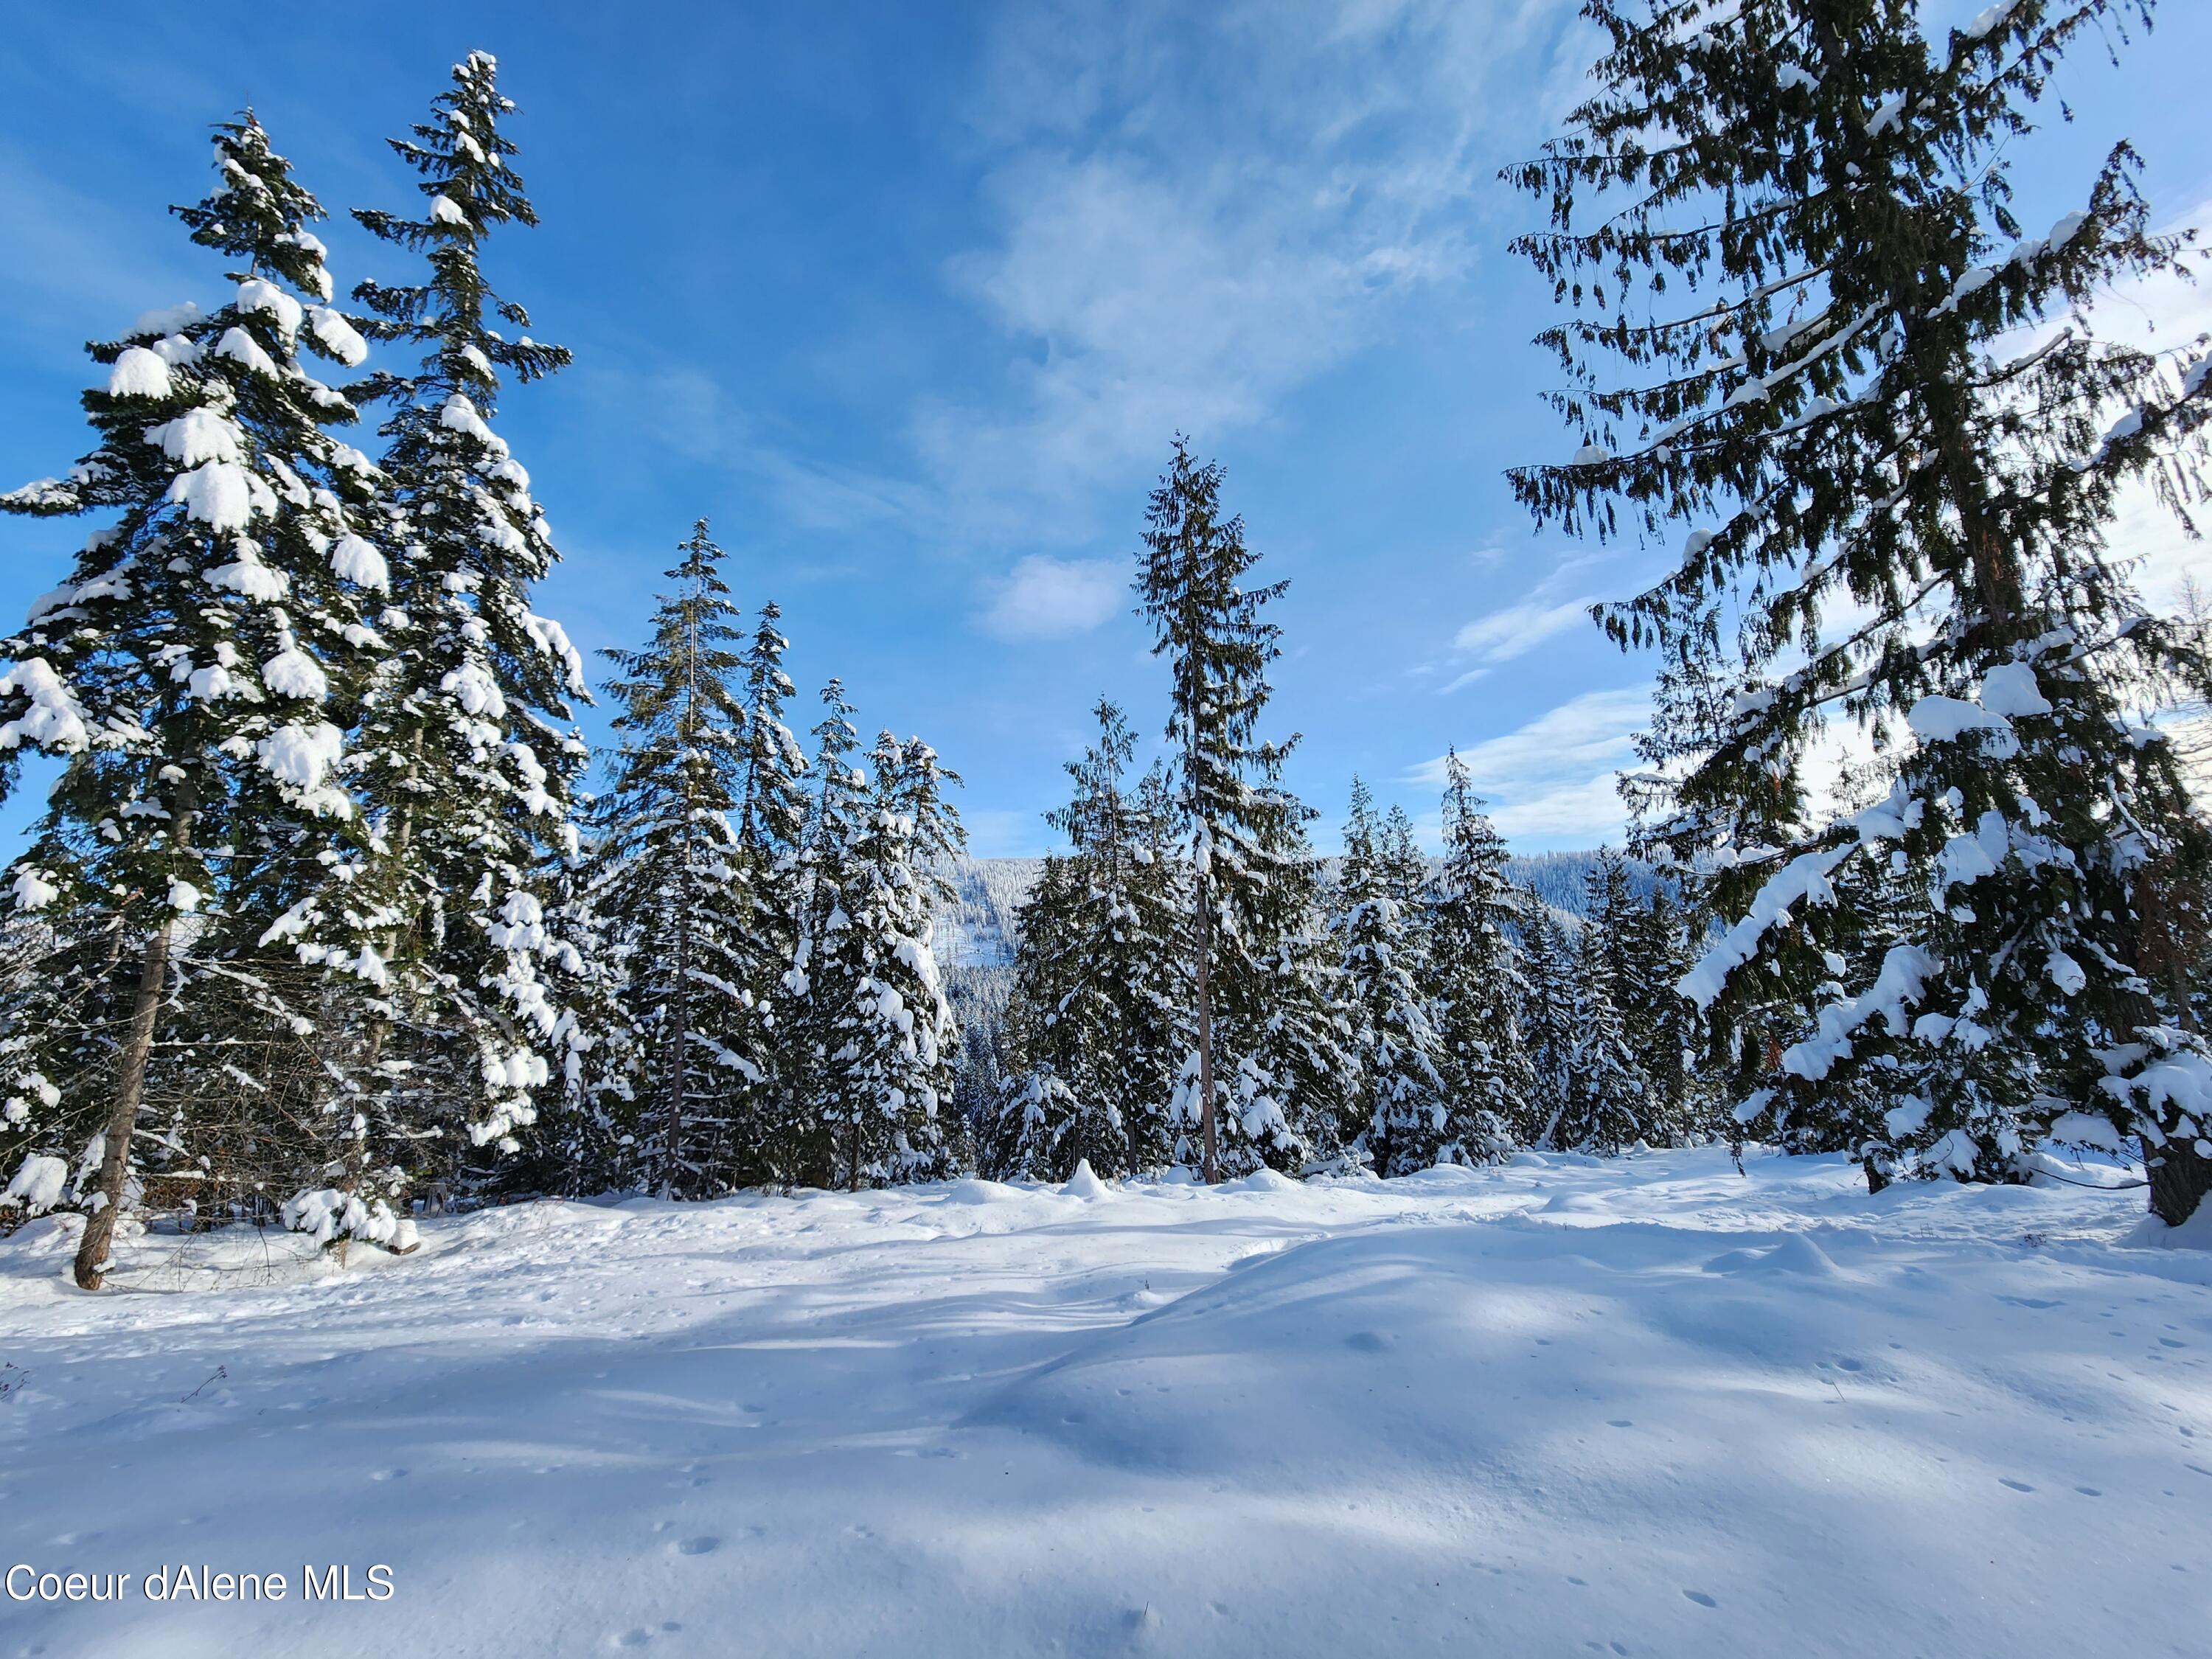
(1642,1408)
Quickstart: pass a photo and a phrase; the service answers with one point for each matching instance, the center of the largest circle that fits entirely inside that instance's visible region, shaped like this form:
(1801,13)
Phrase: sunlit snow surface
(1645,1408)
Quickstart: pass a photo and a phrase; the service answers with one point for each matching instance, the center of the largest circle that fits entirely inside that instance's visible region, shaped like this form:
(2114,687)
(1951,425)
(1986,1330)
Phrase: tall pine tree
(193,674)
(467,759)
(1259,1012)
(1476,981)
(1903,509)
(675,886)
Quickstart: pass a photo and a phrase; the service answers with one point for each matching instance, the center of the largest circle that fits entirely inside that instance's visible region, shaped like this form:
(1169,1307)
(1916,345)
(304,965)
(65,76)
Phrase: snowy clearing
(1645,1407)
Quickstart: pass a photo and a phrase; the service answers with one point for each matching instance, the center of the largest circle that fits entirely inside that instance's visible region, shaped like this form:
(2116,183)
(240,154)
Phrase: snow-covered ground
(1642,1408)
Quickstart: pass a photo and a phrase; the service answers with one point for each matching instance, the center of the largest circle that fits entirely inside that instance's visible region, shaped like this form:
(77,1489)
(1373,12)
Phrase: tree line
(319,919)
(1193,986)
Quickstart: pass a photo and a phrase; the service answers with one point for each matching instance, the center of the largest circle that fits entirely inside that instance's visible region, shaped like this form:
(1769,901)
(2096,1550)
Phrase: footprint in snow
(1701,1598)
(1370,1342)
(699,1546)
(1617,1423)
(635,1637)
(2017,1486)
(2089,1491)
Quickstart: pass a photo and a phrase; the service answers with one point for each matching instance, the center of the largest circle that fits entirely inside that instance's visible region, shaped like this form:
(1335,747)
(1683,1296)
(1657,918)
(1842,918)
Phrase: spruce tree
(1060,1025)
(823,988)
(192,674)
(909,1037)
(1398,1088)
(468,761)
(1607,1098)
(1292,1099)
(1477,982)
(1607,1092)
(1900,509)
(1551,1023)
(870,1034)
(1667,1025)
(771,827)
(1254,880)
(1098,973)
(675,886)
(587,1140)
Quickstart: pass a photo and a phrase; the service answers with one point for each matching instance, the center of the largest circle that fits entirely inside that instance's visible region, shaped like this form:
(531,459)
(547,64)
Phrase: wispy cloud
(1553,779)
(1514,631)
(1197,212)
(1519,629)
(1047,598)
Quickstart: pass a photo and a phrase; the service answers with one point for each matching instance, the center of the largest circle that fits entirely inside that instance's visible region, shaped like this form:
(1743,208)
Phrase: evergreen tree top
(1220,645)
(1193,563)
(470,187)
(685,679)
(261,213)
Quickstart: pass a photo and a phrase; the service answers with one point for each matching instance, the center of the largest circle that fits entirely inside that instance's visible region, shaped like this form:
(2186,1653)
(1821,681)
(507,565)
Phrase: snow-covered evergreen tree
(1608,1104)
(192,674)
(1261,1008)
(586,1138)
(1880,396)
(467,759)
(675,886)
(771,828)
(870,1038)
(1058,1023)
(1665,1025)
(1099,975)
(1550,1024)
(823,986)
(909,1038)
(1475,979)
(1399,1090)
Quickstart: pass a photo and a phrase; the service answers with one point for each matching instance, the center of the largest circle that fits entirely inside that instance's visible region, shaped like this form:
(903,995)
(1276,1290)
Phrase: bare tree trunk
(130,1089)
(2180,1176)
(1212,1169)
(678,1036)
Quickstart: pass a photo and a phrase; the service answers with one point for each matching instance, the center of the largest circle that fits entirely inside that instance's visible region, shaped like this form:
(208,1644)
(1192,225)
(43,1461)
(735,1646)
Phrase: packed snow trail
(1646,1407)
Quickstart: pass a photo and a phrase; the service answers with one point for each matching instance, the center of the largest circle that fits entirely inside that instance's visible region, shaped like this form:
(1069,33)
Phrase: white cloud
(1180,245)
(1583,814)
(1519,629)
(1553,779)
(1048,598)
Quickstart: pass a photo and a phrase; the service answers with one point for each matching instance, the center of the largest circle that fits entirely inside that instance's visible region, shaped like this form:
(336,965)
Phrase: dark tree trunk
(2179,1178)
(130,1089)
(679,1035)
(1213,1170)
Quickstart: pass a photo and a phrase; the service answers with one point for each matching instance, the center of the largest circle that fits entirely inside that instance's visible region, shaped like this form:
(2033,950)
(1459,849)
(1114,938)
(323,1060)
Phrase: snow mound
(1084,1182)
(979,1191)
(1793,1254)
(1263,1181)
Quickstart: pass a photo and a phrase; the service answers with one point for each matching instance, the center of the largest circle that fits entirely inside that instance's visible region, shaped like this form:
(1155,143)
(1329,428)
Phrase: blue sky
(908,299)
